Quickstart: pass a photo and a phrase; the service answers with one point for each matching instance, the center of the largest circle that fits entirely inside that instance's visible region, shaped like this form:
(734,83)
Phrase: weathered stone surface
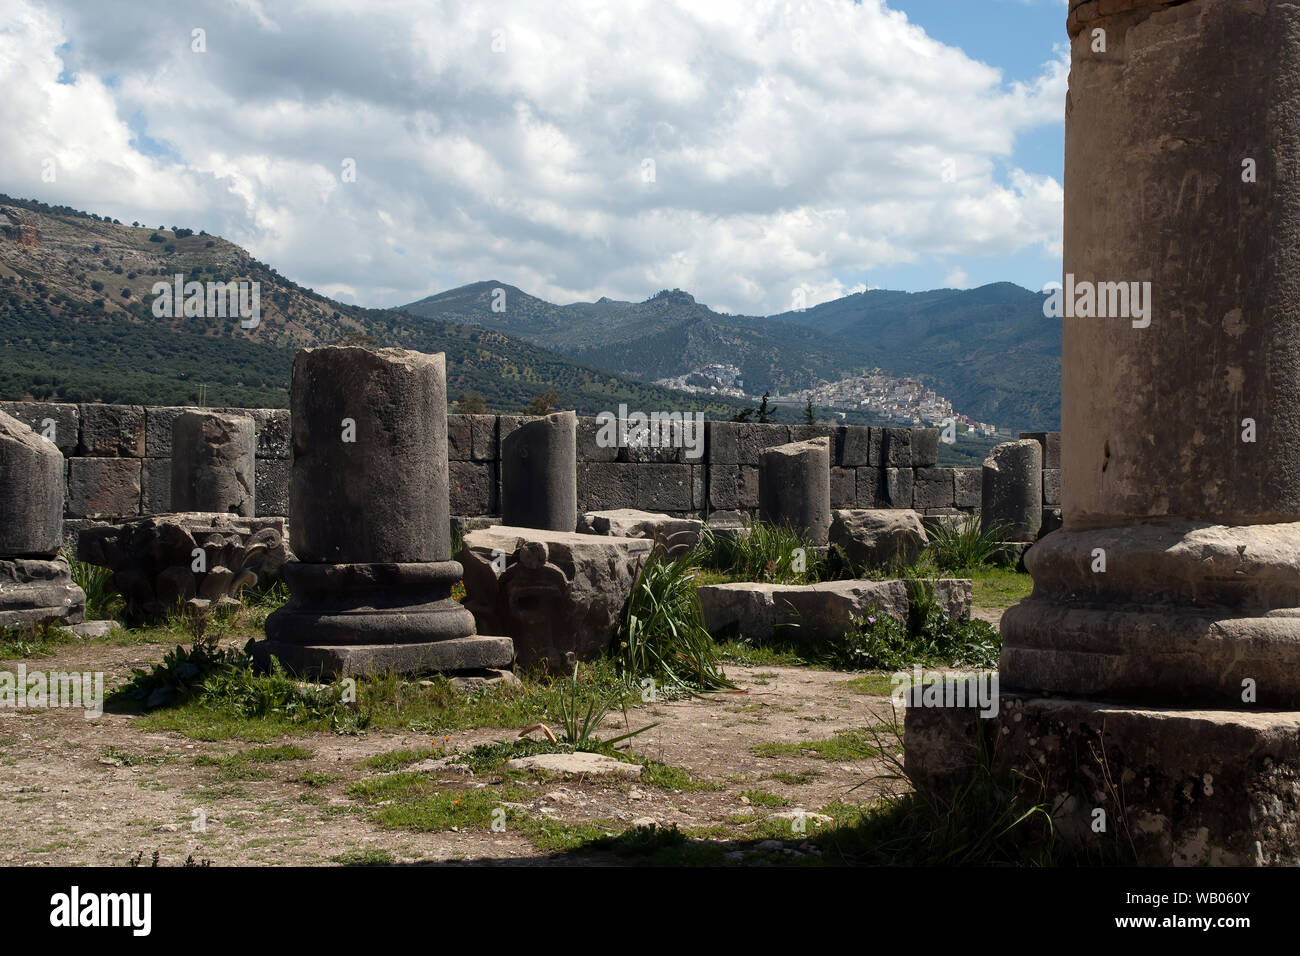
(968,487)
(473,487)
(31,492)
(214,463)
(1051,487)
(153,558)
(561,594)
(897,487)
(449,656)
(925,447)
(799,433)
(664,487)
(589,448)
(158,424)
(58,422)
(1200,787)
(1051,445)
(870,486)
(274,432)
(35,591)
(103,487)
(578,763)
(740,443)
(539,484)
(607,485)
(810,613)
(381,497)
(858,446)
(733,487)
(677,535)
(483,437)
(1012,494)
(272,477)
(896,449)
(112,431)
(460,438)
(156,486)
(794,487)
(932,488)
(879,537)
(844,488)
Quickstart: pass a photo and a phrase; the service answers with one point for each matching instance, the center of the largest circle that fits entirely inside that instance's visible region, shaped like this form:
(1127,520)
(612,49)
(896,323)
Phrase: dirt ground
(100,792)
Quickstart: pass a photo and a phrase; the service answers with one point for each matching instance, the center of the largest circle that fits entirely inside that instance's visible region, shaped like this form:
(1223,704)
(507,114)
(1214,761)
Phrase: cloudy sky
(385,150)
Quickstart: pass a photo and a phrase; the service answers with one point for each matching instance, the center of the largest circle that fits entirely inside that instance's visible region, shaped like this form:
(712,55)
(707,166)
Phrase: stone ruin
(370,589)
(35,580)
(1153,677)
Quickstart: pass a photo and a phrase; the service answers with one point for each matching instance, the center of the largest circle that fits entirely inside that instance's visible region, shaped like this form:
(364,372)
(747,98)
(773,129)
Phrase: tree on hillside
(543,403)
(808,417)
(471,403)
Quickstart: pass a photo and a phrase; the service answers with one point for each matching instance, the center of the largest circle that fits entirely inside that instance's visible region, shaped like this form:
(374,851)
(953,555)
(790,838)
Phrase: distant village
(900,401)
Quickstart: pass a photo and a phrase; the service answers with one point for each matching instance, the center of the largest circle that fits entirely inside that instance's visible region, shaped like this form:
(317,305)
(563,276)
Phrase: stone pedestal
(539,474)
(35,583)
(371,589)
(794,487)
(1172,591)
(214,463)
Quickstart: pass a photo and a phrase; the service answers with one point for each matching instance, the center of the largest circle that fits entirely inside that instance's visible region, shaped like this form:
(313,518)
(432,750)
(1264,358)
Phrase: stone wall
(119,464)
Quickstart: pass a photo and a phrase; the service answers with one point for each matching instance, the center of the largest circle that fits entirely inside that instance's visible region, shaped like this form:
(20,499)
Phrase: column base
(35,591)
(1178,787)
(357,619)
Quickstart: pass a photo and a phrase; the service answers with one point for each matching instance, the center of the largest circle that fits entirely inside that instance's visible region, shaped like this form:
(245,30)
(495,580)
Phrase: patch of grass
(124,759)
(248,765)
(397,759)
(763,654)
(873,685)
(668,777)
(28,642)
(999,587)
(413,801)
(849,745)
(316,780)
(881,642)
(364,858)
(103,603)
(966,545)
(761,798)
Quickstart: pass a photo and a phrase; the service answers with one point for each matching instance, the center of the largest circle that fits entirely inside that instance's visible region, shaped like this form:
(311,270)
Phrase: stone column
(35,581)
(370,590)
(539,474)
(794,487)
(1165,617)
(1012,493)
(214,462)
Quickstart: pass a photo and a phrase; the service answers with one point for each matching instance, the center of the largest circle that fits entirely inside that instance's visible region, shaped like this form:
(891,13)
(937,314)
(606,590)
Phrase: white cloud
(792,143)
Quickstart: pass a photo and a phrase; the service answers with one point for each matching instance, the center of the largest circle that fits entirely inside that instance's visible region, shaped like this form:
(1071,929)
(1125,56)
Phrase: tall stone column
(1164,625)
(214,463)
(539,474)
(370,590)
(35,581)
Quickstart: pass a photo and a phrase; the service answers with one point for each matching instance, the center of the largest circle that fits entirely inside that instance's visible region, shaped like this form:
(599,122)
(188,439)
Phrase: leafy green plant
(761,551)
(578,724)
(967,545)
(882,642)
(662,634)
(102,600)
(180,675)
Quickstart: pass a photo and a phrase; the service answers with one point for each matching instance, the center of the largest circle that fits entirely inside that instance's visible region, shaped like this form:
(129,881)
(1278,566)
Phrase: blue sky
(752,152)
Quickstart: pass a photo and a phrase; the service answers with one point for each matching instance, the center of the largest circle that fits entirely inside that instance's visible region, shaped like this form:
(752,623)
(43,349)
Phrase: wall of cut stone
(119,464)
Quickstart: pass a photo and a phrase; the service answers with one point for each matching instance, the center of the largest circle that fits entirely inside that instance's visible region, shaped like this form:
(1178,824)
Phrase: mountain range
(76,325)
